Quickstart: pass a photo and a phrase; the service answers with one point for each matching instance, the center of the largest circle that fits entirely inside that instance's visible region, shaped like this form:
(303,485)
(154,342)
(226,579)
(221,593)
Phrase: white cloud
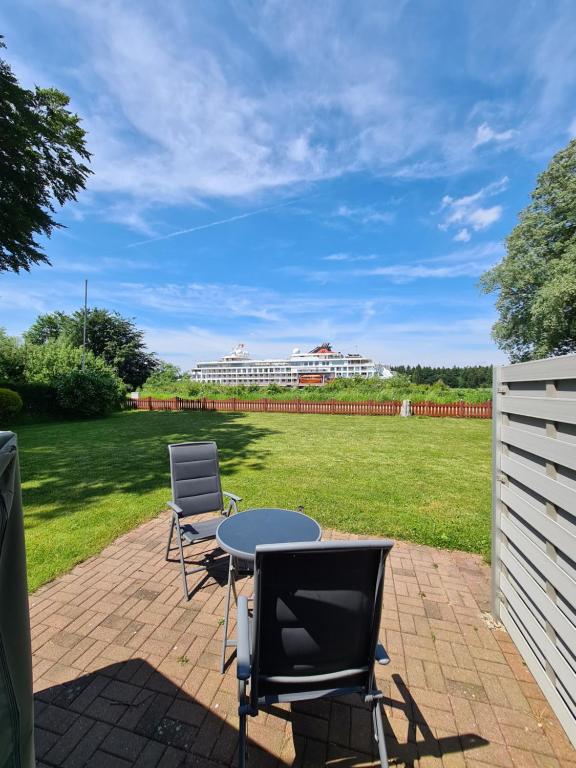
(486,134)
(193,109)
(403,273)
(468,212)
(364,215)
(348,257)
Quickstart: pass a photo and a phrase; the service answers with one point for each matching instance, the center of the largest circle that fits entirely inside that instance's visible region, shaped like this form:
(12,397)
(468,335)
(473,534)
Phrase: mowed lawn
(420,479)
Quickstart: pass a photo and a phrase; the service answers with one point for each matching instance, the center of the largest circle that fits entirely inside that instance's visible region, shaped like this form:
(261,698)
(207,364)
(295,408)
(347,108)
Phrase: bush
(10,403)
(38,398)
(89,393)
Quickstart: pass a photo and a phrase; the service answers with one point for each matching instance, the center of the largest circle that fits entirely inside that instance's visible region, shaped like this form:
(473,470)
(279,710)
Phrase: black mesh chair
(314,631)
(196,489)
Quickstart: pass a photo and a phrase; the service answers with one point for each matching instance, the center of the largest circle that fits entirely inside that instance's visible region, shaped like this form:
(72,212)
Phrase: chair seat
(204,529)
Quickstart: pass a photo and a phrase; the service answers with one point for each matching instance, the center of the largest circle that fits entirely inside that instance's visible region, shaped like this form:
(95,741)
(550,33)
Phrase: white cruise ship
(316,367)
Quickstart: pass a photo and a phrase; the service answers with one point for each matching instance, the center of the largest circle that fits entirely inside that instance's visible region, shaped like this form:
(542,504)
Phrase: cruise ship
(315,368)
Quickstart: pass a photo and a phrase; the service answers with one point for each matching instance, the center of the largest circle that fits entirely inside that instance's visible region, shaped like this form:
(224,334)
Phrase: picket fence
(335,407)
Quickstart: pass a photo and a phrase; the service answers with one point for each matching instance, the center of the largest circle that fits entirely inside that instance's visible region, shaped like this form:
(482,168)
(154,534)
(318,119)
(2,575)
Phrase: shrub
(38,398)
(10,403)
(89,393)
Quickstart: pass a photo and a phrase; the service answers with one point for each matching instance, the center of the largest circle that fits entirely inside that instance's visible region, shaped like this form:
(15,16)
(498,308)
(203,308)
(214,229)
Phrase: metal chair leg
(170,536)
(182,563)
(242,740)
(231,586)
(379,733)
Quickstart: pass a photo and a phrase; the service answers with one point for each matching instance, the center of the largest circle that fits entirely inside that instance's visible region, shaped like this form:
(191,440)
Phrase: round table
(240,534)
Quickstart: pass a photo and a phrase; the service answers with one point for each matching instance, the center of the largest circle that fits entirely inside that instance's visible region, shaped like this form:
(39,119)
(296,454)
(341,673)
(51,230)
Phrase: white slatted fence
(534,522)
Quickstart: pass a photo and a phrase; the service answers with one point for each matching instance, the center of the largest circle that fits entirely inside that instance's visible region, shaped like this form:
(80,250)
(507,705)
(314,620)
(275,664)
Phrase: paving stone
(127,673)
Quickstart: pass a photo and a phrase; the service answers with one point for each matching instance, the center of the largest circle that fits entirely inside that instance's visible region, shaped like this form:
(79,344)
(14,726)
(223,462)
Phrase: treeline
(168,381)
(469,377)
(48,372)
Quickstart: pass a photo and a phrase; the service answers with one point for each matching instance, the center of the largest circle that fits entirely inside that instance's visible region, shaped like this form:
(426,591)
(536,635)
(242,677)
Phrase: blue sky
(286,173)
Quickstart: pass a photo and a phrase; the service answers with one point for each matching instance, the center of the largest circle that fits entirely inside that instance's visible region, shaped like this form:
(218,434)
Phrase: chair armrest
(243,665)
(381,654)
(232,496)
(174,507)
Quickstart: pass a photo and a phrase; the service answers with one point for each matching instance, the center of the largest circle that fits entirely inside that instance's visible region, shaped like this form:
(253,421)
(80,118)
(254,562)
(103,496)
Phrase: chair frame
(247,652)
(175,524)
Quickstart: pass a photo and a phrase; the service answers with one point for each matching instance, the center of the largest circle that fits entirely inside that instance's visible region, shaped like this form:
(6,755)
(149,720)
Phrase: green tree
(109,336)
(11,358)
(536,280)
(44,363)
(164,377)
(41,152)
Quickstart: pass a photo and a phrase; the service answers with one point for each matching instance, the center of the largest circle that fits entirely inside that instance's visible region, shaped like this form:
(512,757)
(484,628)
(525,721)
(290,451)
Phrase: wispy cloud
(485,134)
(403,273)
(364,215)
(229,220)
(339,257)
(469,213)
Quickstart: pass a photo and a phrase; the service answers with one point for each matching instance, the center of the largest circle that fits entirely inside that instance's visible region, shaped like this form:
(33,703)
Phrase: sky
(288,173)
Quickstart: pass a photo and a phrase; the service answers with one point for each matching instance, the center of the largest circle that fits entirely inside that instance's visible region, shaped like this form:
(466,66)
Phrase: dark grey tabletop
(240,534)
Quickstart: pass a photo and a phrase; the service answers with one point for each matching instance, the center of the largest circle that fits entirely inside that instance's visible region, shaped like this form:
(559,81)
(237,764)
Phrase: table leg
(226,643)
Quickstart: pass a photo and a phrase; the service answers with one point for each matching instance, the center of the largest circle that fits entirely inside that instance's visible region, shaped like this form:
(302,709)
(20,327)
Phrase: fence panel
(340,407)
(534,522)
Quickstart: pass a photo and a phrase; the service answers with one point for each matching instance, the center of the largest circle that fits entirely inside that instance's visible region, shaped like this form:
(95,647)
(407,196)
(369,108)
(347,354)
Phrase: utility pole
(85,319)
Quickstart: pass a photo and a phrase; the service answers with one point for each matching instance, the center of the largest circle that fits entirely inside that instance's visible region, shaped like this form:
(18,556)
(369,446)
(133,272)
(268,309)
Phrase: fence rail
(339,407)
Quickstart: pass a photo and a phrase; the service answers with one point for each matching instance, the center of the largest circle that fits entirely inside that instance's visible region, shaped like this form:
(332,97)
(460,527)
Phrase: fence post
(406,408)
(298,404)
(149,403)
(461,408)
(265,402)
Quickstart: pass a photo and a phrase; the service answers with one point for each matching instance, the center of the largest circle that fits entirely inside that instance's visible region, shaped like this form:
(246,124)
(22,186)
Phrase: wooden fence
(456,410)
(362,408)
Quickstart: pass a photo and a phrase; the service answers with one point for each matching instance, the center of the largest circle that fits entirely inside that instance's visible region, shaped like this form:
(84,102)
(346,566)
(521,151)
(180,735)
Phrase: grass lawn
(422,479)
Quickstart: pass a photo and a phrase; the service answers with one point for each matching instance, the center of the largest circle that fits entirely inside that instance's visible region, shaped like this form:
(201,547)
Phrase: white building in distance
(316,367)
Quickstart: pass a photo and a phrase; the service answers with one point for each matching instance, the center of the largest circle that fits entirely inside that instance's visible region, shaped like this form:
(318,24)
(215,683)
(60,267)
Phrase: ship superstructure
(316,367)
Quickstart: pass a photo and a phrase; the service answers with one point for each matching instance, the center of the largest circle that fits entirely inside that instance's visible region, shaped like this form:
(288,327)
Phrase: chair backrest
(195,475)
(316,616)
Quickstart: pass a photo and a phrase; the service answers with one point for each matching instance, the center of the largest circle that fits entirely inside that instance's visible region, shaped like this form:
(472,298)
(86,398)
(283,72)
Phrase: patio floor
(126,673)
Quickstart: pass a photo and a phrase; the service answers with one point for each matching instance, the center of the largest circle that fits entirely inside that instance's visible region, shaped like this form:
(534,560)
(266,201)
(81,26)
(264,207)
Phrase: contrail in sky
(215,223)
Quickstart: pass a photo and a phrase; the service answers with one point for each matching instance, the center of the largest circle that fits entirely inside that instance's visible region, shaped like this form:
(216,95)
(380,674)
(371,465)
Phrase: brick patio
(126,673)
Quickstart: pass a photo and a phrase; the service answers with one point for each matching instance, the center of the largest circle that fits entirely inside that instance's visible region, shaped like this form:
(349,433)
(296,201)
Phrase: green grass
(421,479)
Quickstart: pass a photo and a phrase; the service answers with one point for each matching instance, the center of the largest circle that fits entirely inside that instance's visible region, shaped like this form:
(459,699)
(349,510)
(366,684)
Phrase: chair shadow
(349,740)
(130,714)
(211,557)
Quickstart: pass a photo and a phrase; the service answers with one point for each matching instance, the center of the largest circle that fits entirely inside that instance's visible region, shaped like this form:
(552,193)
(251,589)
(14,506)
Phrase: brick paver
(126,673)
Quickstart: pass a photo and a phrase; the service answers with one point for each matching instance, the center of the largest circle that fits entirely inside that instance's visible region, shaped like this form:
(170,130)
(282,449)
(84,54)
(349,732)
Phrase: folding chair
(314,631)
(196,490)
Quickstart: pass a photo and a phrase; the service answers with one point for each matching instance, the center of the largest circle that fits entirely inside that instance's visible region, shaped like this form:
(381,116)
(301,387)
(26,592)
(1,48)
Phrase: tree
(11,358)
(164,377)
(44,363)
(41,152)
(110,336)
(536,279)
